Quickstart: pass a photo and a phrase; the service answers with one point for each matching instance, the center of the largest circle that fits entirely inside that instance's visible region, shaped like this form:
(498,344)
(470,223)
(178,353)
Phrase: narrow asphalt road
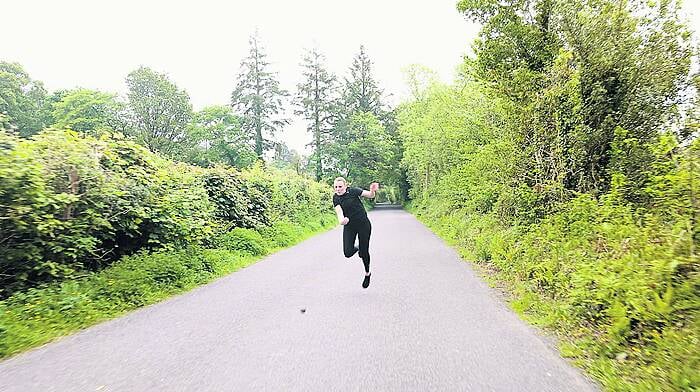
(426,323)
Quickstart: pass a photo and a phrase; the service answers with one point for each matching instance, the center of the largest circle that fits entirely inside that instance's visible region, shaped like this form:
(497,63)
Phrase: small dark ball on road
(303,310)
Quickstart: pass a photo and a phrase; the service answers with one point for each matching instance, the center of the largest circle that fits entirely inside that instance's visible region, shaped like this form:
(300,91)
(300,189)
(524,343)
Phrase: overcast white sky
(200,44)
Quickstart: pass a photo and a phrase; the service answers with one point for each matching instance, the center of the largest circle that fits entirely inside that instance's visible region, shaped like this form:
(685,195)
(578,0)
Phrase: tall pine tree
(258,98)
(361,94)
(366,145)
(316,100)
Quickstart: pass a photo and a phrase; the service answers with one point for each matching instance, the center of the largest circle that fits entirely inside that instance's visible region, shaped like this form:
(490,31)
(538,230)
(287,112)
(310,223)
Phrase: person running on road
(352,215)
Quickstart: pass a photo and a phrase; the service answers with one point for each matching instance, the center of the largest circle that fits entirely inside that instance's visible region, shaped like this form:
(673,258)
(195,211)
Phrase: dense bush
(244,240)
(236,202)
(71,204)
(283,233)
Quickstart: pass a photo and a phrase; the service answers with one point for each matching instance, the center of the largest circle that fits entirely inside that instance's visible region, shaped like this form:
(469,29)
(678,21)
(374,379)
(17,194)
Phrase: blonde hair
(340,179)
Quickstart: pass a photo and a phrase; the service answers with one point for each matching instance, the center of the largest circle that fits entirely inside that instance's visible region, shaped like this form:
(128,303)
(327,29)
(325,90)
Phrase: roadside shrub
(617,273)
(244,240)
(282,233)
(235,206)
(71,204)
(295,198)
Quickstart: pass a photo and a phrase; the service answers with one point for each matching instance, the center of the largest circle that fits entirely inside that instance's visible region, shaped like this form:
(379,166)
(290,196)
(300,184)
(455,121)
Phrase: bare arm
(368,194)
(371,192)
(341,218)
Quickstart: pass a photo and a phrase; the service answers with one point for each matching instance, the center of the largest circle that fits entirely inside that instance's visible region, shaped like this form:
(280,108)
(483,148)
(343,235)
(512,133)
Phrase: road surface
(426,323)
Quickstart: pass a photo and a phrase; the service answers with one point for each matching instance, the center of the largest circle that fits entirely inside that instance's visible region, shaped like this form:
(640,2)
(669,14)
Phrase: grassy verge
(37,316)
(621,297)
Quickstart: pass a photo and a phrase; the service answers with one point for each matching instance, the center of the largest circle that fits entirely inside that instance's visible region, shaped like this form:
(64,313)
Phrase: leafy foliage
(71,204)
(550,162)
(579,70)
(245,240)
(88,111)
(159,110)
(364,150)
(216,137)
(21,99)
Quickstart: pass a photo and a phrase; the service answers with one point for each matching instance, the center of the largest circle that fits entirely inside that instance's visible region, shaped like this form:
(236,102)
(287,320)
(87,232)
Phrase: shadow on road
(387,206)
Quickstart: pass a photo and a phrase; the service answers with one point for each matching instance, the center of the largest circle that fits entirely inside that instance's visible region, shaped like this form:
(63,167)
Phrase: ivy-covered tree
(316,100)
(632,78)
(576,71)
(257,98)
(159,111)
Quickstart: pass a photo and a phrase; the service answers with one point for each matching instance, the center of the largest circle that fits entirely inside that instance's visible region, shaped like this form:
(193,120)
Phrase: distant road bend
(426,323)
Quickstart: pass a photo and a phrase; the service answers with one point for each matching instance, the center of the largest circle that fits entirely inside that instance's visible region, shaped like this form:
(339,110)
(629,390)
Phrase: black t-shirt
(351,204)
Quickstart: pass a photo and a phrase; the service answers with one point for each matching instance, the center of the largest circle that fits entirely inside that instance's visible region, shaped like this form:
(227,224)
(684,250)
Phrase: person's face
(340,188)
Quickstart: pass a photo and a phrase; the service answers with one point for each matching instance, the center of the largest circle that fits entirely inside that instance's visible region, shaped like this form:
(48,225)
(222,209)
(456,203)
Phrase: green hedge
(70,204)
